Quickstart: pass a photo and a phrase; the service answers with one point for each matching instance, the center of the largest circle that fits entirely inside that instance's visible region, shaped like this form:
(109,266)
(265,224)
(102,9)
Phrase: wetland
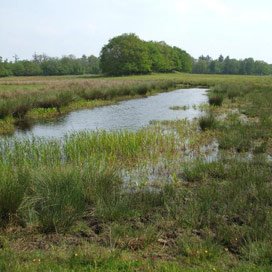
(143,198)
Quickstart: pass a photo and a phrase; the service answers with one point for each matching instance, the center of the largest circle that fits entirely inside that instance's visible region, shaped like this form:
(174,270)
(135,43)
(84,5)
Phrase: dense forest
(48,66)
(127,54)
(248,66)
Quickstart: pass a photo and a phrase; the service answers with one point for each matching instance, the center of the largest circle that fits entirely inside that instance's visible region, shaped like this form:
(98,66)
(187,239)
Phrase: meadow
(174,196)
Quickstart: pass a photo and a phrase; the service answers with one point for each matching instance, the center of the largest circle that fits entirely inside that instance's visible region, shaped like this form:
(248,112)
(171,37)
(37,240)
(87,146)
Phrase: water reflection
(131,115)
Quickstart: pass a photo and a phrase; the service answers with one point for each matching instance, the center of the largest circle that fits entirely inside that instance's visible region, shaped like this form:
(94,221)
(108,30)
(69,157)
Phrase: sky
(238,28)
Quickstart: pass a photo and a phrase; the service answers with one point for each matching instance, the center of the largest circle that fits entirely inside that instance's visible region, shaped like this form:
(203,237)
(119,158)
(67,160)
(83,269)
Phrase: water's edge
(128,114)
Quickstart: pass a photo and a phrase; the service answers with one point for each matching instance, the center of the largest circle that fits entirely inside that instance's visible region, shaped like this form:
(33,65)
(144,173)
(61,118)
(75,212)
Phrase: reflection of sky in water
(131,114)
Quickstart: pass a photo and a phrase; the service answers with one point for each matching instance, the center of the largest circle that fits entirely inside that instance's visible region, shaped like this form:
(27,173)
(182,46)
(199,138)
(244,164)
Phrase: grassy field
(175,196)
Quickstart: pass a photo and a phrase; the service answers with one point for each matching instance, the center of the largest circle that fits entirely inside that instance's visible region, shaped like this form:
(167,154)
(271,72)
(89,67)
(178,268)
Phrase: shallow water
(131,115)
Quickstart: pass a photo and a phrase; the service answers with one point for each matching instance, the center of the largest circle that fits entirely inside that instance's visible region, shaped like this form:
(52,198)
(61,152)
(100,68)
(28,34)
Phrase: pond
(130,115)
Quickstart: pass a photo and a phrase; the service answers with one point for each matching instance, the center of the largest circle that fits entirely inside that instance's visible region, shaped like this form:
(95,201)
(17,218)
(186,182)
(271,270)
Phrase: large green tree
(183,61)
(162,57)
(157,57)
(124,55)
(127,54)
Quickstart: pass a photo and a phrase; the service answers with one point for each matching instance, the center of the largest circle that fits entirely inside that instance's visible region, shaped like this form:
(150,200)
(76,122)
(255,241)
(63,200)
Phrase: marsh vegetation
(174,196)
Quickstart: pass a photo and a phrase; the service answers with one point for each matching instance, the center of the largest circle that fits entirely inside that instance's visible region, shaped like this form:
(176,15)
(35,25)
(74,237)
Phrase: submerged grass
(150,200)
(180,107)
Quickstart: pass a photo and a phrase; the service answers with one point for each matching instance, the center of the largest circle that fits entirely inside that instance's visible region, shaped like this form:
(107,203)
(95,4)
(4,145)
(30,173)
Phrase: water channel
(131,114)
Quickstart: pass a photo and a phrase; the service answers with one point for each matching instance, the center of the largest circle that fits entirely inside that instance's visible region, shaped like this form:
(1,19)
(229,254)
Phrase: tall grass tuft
(58,198)
(216,99)
(5,108)
(13,184)
(57,101)
(102,189)
(200,170)
(21,107)
(207,122)
(233,93)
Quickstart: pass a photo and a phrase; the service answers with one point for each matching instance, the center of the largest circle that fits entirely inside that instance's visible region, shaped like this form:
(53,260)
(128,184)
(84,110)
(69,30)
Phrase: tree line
(48,66)
(123,55)
(248,66)
(127,54)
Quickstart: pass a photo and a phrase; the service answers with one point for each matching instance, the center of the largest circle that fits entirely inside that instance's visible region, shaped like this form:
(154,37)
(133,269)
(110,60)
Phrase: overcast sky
(239,28)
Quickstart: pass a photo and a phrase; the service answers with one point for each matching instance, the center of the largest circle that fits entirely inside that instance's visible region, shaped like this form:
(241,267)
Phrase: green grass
(215,100)
(207,122)
(13,184)
(57,198)
(150,200)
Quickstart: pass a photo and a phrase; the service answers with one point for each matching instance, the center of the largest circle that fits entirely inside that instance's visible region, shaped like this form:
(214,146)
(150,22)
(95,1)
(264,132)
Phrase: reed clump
(216,100)
(57,197)
(207,122)
(13,184)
